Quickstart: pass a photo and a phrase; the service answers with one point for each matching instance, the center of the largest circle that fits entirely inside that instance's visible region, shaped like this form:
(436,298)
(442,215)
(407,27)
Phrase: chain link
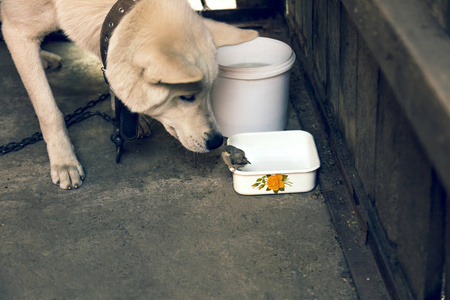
(79,115)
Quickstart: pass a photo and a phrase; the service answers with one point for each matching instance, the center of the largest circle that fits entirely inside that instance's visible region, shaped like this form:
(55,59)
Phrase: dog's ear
(166,65)
(224,34)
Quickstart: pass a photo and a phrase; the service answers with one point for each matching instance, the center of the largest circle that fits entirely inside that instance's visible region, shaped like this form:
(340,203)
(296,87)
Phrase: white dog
(161,62)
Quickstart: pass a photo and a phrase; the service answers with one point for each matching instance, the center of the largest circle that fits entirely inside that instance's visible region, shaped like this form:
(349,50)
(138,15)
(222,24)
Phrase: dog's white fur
(161,53)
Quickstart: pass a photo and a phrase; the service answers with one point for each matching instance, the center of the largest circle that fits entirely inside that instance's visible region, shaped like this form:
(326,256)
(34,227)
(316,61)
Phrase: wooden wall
(369,93)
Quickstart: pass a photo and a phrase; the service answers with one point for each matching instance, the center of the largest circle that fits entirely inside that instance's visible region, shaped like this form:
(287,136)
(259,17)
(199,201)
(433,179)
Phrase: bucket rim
(260,72)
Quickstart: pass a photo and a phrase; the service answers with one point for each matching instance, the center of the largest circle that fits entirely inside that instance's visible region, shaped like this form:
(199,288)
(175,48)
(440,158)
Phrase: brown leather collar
(127,122)
(117,12)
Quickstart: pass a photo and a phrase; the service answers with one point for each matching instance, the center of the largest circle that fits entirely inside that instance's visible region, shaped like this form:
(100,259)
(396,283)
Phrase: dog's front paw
(68,176)
(144,126)
(50,61)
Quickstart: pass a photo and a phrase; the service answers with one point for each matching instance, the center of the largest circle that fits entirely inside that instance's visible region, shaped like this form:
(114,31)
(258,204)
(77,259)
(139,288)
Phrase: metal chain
(79,115)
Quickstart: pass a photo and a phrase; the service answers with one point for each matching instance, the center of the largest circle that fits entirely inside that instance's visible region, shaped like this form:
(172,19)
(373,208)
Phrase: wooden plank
(320,18)
(307,14)
(415,252)
(409,47)
(366,118)
(367,278)
(348,79)
(299,17)
(403,183)
(333,72)
(290,10)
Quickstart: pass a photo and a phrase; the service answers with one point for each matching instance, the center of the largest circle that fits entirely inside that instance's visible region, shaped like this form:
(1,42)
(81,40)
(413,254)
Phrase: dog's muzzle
(214,141)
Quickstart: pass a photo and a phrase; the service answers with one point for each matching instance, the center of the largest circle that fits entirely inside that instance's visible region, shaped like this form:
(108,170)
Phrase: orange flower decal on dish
(276,183)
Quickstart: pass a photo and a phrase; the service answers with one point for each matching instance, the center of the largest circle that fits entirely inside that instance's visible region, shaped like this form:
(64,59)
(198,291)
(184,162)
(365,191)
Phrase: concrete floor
(165,223)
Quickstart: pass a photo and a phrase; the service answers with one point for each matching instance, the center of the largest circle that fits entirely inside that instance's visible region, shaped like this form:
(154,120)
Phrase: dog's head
(162,62)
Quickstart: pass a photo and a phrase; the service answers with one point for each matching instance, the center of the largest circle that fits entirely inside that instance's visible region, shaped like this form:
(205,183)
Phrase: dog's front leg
(65,168)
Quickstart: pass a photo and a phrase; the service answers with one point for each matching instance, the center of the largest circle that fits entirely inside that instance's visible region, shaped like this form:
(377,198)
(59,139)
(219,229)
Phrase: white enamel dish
(281,162)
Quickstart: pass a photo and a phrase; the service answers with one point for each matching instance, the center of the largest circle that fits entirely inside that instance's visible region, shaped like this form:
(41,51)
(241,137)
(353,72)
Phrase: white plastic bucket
(251,92)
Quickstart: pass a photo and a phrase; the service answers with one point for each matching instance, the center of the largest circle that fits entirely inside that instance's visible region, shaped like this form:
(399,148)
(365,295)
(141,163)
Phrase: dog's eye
(188,98)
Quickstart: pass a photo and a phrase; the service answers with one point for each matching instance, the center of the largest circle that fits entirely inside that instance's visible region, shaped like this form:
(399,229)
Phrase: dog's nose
(214,141)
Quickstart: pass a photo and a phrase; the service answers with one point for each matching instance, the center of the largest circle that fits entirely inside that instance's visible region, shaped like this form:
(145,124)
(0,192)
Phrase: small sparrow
(234,158)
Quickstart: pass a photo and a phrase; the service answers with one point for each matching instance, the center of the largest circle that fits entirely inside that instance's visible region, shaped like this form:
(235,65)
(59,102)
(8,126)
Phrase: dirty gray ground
(165,223)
